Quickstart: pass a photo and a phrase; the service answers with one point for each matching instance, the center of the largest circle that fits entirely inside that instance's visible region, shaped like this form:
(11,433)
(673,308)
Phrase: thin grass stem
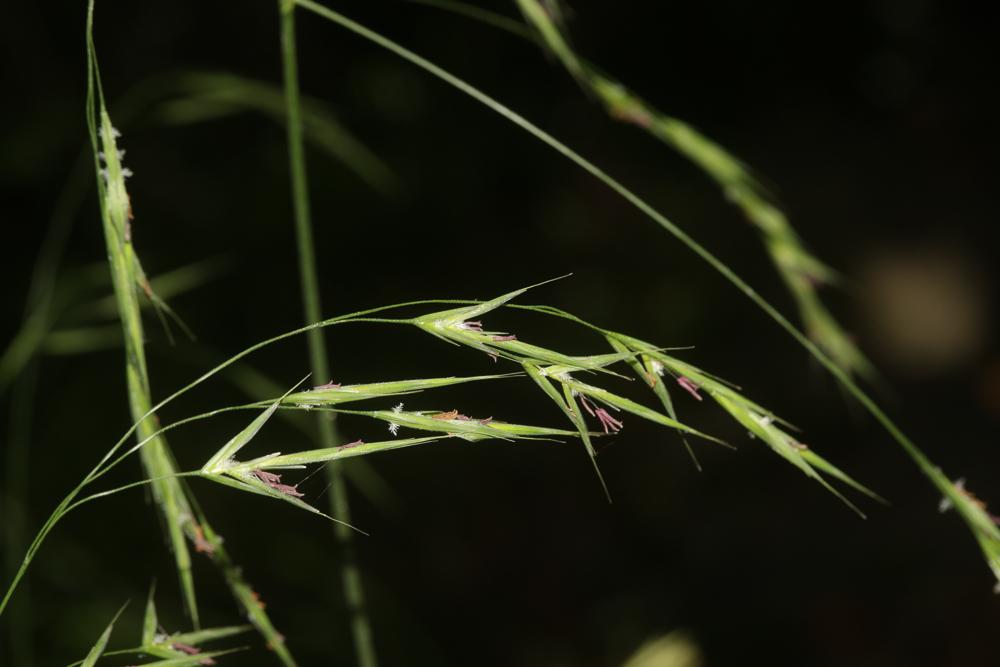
(350,573)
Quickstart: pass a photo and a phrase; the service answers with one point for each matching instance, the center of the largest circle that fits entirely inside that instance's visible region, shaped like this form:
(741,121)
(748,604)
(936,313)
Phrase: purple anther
(352,444)
(267,477)
(191,650)
(638,117)
(610,424)
(274,481)
(287,489)
(329,385)
(689,386)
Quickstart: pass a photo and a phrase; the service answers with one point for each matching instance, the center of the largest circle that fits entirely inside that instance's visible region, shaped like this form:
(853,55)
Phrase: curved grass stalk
(988,538)
(124,487)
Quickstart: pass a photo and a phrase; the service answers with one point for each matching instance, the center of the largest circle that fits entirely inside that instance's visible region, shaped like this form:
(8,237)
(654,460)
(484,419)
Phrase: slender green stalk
(339,506)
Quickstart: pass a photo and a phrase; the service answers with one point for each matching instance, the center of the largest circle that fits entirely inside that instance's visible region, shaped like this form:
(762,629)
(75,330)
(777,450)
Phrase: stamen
(609,423)
(329,385)
(689,386)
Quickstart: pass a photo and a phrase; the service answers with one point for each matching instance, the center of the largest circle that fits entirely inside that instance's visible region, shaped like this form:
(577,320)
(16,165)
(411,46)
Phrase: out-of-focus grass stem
(339,505)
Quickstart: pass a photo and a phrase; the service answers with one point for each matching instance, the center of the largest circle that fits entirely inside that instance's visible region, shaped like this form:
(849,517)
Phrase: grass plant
(585,388)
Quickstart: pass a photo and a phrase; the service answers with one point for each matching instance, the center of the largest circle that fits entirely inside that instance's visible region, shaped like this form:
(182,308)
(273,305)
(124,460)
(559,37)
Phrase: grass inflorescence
(582,387)
(987,539)
(264,475)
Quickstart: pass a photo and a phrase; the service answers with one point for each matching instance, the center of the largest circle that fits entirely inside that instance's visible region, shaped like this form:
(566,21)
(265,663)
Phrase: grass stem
(353,590)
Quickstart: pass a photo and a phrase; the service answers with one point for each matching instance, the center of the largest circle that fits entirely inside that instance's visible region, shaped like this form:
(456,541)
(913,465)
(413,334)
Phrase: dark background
(872,122)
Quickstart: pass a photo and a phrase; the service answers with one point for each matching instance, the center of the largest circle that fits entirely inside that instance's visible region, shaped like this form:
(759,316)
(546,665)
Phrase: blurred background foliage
(870,121)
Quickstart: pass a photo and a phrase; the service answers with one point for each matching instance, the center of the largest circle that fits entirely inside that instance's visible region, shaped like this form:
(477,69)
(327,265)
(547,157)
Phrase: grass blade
(102,642)
(150,623)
